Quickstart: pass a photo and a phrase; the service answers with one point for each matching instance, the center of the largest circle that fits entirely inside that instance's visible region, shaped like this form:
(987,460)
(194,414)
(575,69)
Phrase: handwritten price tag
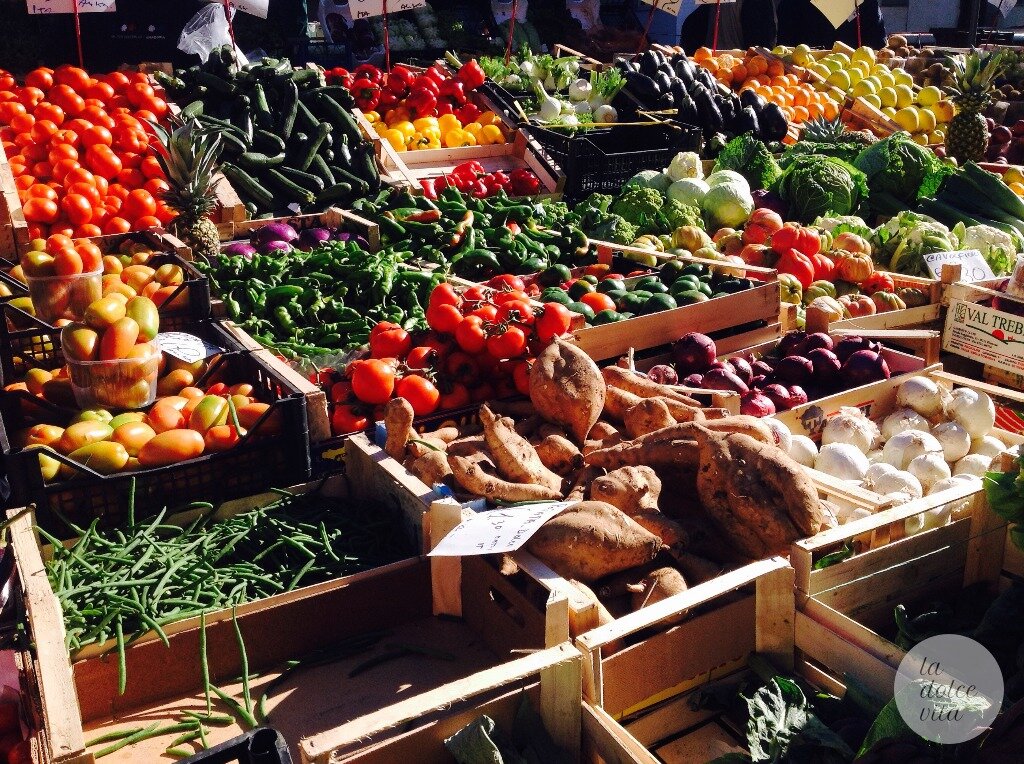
(497,530)
(186,347)
(46,7)
(364,9)
(256,8)
(972,265)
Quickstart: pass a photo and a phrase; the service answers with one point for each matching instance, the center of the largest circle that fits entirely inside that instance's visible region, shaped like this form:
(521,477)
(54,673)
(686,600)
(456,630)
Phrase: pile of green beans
(126,582)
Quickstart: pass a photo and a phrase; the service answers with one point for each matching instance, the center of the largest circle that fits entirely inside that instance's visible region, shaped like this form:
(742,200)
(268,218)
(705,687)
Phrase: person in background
(801,22)
(741,24)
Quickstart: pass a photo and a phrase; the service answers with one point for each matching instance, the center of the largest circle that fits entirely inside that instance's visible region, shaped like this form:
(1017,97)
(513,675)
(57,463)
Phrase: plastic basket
(26,341)
(122,383)
(256,465)
(263,745)
(56,297)
(603,159)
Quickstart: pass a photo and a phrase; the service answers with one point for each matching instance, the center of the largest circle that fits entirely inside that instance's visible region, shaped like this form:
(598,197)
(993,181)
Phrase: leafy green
(815,186)
(888,724)
(781,719)
(904,169)
(750,158)
(834,558)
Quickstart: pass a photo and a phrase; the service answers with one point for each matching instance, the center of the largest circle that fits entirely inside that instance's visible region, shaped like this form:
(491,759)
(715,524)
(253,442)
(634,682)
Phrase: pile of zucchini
(288,139)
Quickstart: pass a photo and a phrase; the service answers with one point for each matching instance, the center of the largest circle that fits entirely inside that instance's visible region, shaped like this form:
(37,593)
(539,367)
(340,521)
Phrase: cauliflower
(848,222)
(685,164)
(997,247)
(638,205)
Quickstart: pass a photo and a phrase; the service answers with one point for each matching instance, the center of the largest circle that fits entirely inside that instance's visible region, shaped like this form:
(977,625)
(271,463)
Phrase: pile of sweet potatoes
(667,492)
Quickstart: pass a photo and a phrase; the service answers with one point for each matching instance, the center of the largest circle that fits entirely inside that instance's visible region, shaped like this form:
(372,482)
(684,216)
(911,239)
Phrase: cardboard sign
(45,7)
(186,347)
(497,530)
(972,265)
(984,334)
(364,9)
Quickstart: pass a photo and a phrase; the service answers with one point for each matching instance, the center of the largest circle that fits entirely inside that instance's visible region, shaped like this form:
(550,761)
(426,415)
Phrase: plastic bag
(207,31)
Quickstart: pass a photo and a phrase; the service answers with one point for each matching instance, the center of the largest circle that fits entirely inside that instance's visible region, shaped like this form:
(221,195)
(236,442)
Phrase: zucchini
(314,145)
(215,83)
(319,167)
(364,164)
(306,77)
(289,188)
(307,180)
(245,184)
(330,110)
(232,144)
(291,108)
(346,176)
(339,192)
(268,142)
(194,109)
(304,117)
(253,160)
(261,111)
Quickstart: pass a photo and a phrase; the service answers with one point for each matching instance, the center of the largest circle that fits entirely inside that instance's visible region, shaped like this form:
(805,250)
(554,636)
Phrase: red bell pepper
(471,75)
(370,72)
(499,179)
(444,107)
(479,188)
(429,186)
(366,93)
(468,113)
(425,83)
(387,101)
(522,182)
(399,80)
(421,102)
(471,169)
(797,264)
(454,90)
(437,73)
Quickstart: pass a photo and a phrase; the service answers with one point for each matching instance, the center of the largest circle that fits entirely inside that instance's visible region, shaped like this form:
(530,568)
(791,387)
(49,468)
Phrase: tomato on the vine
(444,294)
(373,381)
(486,312)
(514,295)
(394,342)
(517,312)
(553,321)
(470,334)
(341,391)
(462,367)
(421,357)
(474,294)
(457,396)
(444,318)
(507,344)
(521,376)
(346,418)
(420,392)
(507,282)
(483,392)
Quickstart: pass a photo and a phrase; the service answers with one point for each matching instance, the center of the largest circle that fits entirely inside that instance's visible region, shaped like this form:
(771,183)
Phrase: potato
(567,388)
(592,539)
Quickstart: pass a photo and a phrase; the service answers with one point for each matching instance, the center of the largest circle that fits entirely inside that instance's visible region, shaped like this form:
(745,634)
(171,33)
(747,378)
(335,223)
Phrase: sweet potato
(559,454)
(668,530)
(567,388)
(472,477)
(581,482)
(592,539)
(431,468)
(513,455)
(618,401)
(653,453)
(466,445)
(641,385)
(420,446)
(445,434)
(631,489)
(694,568)
(398,416)
(602,430)
(656,586)
(648,415)
(527,427)
(603,617)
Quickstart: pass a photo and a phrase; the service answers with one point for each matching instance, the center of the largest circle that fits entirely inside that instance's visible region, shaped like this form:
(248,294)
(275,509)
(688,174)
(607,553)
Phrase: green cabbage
(900,172)
(750,158)
(815,186)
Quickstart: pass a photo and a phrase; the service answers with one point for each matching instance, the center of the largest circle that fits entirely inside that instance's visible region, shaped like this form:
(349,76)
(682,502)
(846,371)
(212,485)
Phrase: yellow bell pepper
(418,141)
(381,127)
(447,122)
(426,123)
(398,114)
(396,138)
(491,135)
(458,138)
(488,118)
(474,129)
(405,127)
(371,116)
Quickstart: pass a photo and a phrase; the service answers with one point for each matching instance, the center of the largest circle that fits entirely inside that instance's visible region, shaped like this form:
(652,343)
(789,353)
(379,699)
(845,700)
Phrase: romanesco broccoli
(638,205)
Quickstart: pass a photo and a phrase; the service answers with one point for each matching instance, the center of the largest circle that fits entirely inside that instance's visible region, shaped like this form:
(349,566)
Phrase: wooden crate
(925,343)
(649,691)
(502,615)
(14,236)
(926,315)
(332,217)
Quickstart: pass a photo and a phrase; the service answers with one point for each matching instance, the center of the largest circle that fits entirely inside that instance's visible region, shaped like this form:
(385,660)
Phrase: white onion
(851,426)
(783,437)
(875,471)
(929,469)
(989,445)
(803,450)
(920,394)
(875,457)
(955,440)
(973,410)
(842,460)
(901,449)
(973,464)
(898,481)
(841,507)
(958,509)
(858,514)
(902,420)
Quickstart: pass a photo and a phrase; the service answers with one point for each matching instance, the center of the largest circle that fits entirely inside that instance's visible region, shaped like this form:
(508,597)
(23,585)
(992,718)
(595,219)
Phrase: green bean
(245,661)
(178,753)
(205,666)
(133,737)
(131,502)
(218,720)
(186,737)
(122,667)
(234,705)
(106,737)
(151,731)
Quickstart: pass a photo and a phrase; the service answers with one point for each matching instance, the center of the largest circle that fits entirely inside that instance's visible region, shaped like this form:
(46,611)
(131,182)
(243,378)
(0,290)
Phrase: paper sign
(186,347)
(709,2)
(44,7)
(364,9)
(836,11)
(984,334)
(972,265)
(256,8)
(497,530)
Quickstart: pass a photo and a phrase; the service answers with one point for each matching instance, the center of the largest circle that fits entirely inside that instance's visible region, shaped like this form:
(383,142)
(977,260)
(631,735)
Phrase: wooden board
(14,237)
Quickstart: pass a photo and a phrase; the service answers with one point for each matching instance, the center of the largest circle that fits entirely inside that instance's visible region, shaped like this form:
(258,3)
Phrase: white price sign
(364,9)
(256,8)
(838,12)
(990,336)
(45,7)
(186,347)
(497,530)
(973,266)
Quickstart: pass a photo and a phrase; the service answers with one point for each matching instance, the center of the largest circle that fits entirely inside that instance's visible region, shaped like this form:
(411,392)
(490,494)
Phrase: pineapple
(189,164)
(971,91)
(821,130)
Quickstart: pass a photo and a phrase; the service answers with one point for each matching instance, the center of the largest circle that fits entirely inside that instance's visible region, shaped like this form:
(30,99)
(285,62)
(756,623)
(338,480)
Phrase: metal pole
(972,24)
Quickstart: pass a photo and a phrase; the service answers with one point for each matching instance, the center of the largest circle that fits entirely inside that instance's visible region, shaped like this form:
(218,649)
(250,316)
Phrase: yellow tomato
(395,137)
(491,134)
(458,138)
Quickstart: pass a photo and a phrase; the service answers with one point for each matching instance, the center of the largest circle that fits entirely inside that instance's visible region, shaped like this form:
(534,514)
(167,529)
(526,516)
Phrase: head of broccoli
(638,204)
(616,230)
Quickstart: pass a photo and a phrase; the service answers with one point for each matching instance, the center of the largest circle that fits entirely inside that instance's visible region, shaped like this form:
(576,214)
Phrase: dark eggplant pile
(663,83)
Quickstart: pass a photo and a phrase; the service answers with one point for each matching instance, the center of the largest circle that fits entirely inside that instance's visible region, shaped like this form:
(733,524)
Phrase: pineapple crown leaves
(189,159)
(974,72)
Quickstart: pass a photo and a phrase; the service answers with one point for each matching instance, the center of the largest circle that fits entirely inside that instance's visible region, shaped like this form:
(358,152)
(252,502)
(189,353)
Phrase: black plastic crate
(254,466)
(263,745)
(25,341)
(603,159)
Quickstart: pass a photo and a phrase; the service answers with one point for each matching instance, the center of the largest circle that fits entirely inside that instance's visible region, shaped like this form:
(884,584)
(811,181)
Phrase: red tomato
(456,396)
(507,283)
(394,343)
(346,419)
(444,318)
(138,203)
(521,376)
(445,294)
(510,343)
(462,367)
(40,210)
(553,321)
(373,381)
(421,357)
(420,392)
(485,312)
(516,311)
(77,209)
